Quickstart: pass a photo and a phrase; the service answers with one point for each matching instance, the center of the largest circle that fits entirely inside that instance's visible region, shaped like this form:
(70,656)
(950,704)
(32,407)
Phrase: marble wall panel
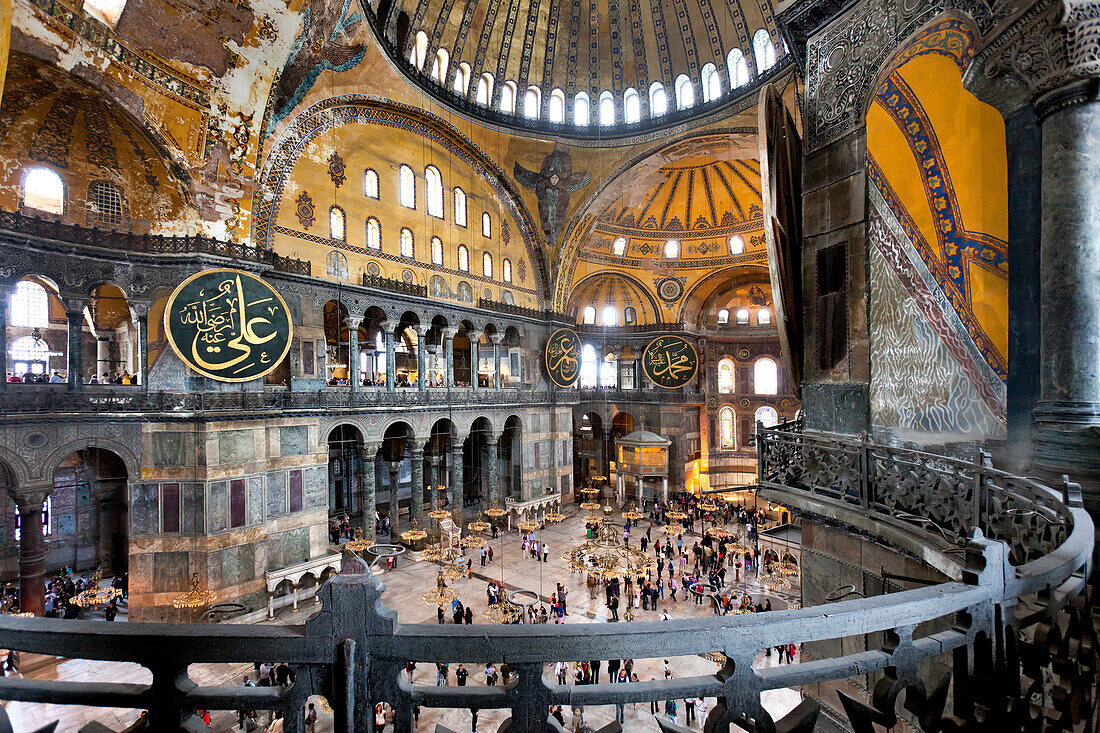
(293,440)
(255,502)
(173,449)
(144,506)
(193,520)
(170,572)
(276,494)
(315,486)
(217,510)
(236,446)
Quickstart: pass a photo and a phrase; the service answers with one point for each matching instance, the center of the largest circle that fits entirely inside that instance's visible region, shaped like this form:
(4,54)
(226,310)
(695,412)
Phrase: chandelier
(672,530)
(196,597)
(788,566)
(439,514)
(730,497)
(7,608)
(527,526)
(441,595)
(504,612)
(554,517)
(632,513)
(478,526)
(495,512)
(773,580)
(708,506)
(605,556)
(473,542)
(98,595)
(738,547)
(676,515)
(415,534)
(435,553)
(589,491)
(358,544)
(718,533)
(590,506)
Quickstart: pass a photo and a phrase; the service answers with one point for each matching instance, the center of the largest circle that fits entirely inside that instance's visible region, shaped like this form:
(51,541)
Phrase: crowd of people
(123,377)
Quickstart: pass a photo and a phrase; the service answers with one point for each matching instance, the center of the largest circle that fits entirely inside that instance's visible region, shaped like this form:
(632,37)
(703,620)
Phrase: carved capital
(450,332)
(388,326)
(496,338)
(353,321)
(30,498)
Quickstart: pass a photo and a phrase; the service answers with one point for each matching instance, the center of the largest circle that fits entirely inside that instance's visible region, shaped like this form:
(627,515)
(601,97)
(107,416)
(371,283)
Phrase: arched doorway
(511,451)
(476,456)
(87,513)
(395,478)
(588,449)
(345,474)
(336,343)
(622,424)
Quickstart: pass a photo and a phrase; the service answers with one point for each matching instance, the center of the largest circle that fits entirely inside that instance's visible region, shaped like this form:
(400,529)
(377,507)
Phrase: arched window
(738,68)
(487,265)
(630,316)
(433,182)
(658,100)
(105,203)
(30,305)
(407,243)
(672,249)
(763,316)
(725,428)
(610,316)
(407,186)
(439,65)
(508,97)
(725,376)
(337,223)
(370,183)
(532,101)
(743,316)
(463,258)
(589,368)
(437,251)
(607,109)
(557,106)
(737,245)
(106,11)
(486,224)
(589,315)
(462,79)
(419,52)
(712,85)
(336,265)
(506,270)
(632,106)
(723,317)
(618,247)
(484,89)
(374,233)
(765,376)
(460,207)
(582,112)
(767,416)
(30,355)
(44,190)
(609,374)
(763,51)
(685,93)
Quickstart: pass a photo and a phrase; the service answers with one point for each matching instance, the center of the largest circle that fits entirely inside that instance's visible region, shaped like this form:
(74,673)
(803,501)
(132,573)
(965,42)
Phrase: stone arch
(14,471)
(129,459)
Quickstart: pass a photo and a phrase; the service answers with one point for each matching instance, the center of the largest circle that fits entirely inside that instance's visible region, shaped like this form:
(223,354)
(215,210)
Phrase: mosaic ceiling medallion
(670,289)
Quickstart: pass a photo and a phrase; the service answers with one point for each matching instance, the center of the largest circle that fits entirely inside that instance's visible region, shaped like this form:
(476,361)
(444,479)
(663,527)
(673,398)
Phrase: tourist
(563,671)
(460,676)
(441,674)
(701,709)
(689,711)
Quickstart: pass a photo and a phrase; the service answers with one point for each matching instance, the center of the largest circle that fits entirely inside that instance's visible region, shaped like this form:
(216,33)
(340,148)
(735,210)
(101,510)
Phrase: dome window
(763,50)
(581,110)
(737,245)
(738,68)
(44,190)
(685,93)
(632,106)
(672,249)
(557,106)
(607,109)
(658,99)
(619,246)
(712,85)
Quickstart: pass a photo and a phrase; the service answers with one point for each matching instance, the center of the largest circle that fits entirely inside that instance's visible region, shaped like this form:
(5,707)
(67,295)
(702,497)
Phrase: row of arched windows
(609,316)
(672,247)
(765,376)
(44,190)
(336,265)
(766,415)
(737,68)
(763,317)
(435,194)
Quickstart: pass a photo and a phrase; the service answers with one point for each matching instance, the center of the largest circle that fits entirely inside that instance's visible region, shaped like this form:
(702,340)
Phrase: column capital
(496,338)
(417,452)
(371,447)
(31,496)
(353,321)
(450,332)
(388,326)
(422,328)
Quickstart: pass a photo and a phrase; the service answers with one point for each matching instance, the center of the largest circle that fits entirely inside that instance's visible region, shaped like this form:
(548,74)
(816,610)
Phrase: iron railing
(354,650)
(394,285)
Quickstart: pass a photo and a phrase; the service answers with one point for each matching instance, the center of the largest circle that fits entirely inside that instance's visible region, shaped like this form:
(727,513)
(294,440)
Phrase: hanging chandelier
(672,530)
(527,526)
(479,526)
(495,512)
(676,515)
(738,547)
(718,533)
(708,506)
(98,595)
(358,544)
(473,542)
(606,556)
(589,491)
(196,597)
(788,566)
(631,513)
(441,595)
(554,517)
(439,514)
(504,612)
(415,534)
(590,506)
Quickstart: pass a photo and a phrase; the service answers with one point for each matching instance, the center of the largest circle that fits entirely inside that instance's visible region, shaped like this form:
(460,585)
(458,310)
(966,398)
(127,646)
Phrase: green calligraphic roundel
(563,357)
(228,325)
(670,362)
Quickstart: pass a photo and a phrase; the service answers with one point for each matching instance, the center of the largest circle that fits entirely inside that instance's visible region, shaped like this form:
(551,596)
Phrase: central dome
(582,68)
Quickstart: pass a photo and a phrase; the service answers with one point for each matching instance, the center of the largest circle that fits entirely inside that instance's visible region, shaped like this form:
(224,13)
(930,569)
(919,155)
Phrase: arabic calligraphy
(670,362)
(228,325)
(563,357)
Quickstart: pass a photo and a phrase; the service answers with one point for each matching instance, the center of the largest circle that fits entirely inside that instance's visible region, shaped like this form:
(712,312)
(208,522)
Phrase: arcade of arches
(898,247)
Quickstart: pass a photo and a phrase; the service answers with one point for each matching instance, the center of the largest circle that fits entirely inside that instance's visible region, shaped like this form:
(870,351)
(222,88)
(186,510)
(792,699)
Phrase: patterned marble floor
(404,586)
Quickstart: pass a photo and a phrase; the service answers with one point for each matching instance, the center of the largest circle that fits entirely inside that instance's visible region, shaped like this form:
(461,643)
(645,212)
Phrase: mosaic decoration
(562,355)
(337,169)
(670,289)
(228,325)
(521,268)
(743,354)
(407,276)
(53,138)
(487,294)
(373,269)
(553,183)
(314,51)
(465,292)
(304,210)
(97,137)
(670,362)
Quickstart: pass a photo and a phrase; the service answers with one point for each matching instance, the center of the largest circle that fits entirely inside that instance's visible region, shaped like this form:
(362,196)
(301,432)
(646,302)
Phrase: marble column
(497,381)
(5,295)
(492,472)
(395,499)
(422,357)
(1067,416)
(433,355)
(143,350)
(32,548)
(353,351)
(416,505)
(75,372)
(449,353)
(457,480)
(433,479)
(391,371)
(102,355)
(370,471)
(605,467)
(475,360)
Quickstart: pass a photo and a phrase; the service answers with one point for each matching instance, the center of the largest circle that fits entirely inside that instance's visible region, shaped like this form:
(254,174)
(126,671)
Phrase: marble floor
(404,587)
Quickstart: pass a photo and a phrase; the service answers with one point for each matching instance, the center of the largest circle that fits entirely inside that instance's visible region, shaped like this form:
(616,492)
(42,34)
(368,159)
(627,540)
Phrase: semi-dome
(590,69)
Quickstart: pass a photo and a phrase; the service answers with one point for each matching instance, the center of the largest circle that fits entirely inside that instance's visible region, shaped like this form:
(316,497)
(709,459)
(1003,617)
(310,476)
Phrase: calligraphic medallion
(228,325)
(670,362)
(563,357)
